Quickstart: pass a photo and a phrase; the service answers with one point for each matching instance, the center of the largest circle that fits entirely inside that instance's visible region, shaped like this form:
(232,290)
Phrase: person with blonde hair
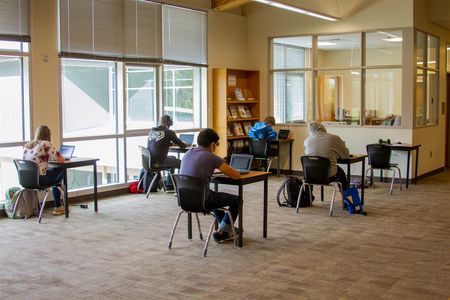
(41,151)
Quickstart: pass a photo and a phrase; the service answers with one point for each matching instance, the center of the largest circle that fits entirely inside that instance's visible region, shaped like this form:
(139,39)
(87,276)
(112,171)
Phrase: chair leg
(399,177)
(151,184)
(17,201)
(173,229)
(269,163)
(332,201)
(205,248)
(199,228)
(232,227)
(392,181)
(300,195)
(42,207)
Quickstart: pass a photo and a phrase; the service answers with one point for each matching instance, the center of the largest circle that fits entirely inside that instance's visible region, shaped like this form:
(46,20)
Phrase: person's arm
(341,149)
(272,134)
(59,158)
(229,171)
(174,139)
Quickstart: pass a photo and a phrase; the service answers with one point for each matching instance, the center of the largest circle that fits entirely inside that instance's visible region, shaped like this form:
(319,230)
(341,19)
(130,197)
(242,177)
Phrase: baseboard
(431,173)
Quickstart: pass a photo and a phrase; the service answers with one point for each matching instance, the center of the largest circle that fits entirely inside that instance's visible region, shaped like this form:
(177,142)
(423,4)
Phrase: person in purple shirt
(201,163)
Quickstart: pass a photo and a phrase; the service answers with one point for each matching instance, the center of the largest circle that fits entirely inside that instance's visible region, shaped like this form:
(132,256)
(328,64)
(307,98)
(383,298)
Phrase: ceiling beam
(228,4)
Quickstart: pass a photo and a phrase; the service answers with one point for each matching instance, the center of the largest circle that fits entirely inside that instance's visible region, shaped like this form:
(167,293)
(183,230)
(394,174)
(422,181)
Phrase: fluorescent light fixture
(325,44)
(393,39)
(355,72)
(297,10)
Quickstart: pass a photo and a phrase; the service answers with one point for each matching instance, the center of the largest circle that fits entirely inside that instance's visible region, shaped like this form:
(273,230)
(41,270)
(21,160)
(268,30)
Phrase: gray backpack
(27,203)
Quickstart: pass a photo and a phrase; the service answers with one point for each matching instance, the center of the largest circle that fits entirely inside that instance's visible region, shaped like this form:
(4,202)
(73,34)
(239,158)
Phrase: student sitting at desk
(264,131)
(159,140)
(201,162)
(41,150)
(322,143)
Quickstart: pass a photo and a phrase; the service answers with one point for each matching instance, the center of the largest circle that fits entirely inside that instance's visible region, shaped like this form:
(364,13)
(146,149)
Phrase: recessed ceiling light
(326,44)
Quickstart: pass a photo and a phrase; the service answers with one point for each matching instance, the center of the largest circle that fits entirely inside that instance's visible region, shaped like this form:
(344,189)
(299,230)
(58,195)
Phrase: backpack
(27,203)
(290,189)
(352,202)
(145,183)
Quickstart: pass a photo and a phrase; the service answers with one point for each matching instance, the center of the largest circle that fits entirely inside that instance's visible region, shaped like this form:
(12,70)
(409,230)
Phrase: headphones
(166,120)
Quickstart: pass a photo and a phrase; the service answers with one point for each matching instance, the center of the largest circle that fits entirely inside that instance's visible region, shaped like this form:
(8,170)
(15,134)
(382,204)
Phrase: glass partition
(339,51)
(384,48)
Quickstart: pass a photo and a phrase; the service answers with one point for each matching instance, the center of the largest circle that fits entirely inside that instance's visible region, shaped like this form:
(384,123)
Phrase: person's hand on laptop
(59,158)
(229,171)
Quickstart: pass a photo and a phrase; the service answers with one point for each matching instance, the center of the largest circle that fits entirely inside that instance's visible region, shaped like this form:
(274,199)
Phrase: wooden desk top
(353,159)
(250,177)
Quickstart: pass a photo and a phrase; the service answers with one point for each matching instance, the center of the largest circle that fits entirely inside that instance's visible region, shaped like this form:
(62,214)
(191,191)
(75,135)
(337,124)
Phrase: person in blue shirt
(264,131)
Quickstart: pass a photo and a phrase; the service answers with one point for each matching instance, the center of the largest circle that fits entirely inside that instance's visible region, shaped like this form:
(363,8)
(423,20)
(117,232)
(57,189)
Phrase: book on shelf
(242,112)
(247,127)
(248,95)
(247,112)
(238,129)
(228,114)
(229,132)
(239,94)
(233,112)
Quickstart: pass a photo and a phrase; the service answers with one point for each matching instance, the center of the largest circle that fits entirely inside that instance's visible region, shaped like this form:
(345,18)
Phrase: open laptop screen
(187,138)
(283,134)
(66,151)
(241,162)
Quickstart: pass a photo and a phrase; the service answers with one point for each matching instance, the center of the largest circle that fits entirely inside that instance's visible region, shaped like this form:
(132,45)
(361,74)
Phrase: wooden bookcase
(236,107)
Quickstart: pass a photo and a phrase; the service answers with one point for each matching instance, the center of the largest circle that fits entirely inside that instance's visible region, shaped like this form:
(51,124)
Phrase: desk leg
(66,194)
(189,219)
(417,164)
(363,180)
(241,225)
(265,209)
(407,168)
(95,187)
(290,158)
(348,174)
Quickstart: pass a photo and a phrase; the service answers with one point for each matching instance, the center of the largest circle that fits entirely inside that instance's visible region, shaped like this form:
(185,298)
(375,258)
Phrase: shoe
(57,211)
(221,237)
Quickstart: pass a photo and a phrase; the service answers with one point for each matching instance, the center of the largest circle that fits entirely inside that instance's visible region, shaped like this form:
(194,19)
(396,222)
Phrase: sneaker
(223,236)
(57,211)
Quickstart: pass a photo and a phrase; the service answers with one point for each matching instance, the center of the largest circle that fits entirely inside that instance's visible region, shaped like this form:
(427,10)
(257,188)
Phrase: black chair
(316,171)
(258,148)
(191,193)
(28,172)
(380,158)
(148,166)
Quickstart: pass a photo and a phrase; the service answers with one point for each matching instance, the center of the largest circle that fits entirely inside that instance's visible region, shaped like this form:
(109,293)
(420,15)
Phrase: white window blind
(184,35)
(14,25)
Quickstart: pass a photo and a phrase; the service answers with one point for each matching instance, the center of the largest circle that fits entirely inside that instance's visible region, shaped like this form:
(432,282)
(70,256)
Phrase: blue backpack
(352,202)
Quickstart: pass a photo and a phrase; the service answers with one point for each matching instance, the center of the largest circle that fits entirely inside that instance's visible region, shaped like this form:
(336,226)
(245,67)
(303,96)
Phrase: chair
(191,193)
(380,158)
(149,167)
(258,148)
(28,172)
(316,171)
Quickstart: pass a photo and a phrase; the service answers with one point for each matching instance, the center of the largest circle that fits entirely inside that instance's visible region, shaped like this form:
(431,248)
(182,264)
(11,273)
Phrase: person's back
(263,130)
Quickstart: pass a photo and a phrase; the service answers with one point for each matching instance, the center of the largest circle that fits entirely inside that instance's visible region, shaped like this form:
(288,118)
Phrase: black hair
(166,120)
(206,137)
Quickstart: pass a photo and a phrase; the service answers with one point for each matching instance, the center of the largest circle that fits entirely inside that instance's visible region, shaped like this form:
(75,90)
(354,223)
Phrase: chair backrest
(379,156)
(316,169)
(146,158)
(191,193)
(258,147)
(28,172)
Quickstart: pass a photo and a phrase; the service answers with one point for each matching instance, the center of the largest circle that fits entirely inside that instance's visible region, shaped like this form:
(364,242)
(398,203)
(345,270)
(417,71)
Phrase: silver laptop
(241,162)
(187,138)
(66,151)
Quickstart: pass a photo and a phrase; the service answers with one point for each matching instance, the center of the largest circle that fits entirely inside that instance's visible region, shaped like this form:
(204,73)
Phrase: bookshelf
(236,107)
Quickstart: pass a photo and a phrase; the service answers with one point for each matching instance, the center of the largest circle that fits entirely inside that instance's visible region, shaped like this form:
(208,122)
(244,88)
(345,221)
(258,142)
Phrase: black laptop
(283,134)
(241,162)
(66,151)
(187,138)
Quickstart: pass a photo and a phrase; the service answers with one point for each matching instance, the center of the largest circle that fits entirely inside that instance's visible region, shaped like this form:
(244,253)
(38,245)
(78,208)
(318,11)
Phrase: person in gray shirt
(159,141)
(322,143)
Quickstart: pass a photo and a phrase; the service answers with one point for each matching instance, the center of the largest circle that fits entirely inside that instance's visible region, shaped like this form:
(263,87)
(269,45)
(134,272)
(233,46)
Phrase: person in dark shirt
(201,163)
(159,141)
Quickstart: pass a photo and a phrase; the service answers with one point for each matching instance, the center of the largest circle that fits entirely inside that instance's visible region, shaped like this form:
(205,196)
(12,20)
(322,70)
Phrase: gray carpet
(401,250)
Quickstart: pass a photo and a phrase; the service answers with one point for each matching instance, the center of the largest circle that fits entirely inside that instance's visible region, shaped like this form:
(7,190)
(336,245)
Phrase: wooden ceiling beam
(228,4)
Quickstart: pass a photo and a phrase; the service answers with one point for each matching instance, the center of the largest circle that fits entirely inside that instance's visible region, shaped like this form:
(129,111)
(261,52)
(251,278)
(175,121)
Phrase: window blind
(184,35)
(14,20)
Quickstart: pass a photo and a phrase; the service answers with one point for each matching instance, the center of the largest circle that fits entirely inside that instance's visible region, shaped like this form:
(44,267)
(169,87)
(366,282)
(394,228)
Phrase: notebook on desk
(66,151)
(241,162)
(187,138)
(283,134)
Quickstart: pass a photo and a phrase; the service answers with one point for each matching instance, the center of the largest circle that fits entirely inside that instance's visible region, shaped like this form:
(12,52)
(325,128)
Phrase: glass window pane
(339,96)
(292,52)
(88,98)
(8,172)
(291,91)
(134,160)
(339,51)
(183,96)
(433,52)
(432,97)
(141,97)
(384,48)
(383,97)
(420,98)
(420,51)
(107,166)
(11,117)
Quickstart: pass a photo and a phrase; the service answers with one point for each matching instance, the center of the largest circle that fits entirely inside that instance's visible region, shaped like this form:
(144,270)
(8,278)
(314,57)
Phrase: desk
(253,176)
(279,142)
(178,150)
(408,148)
(355,158)
(76,162)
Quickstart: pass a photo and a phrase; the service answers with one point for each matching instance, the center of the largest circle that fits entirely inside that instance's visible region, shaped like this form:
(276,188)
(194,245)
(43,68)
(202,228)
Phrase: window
(427,79)
(292,78)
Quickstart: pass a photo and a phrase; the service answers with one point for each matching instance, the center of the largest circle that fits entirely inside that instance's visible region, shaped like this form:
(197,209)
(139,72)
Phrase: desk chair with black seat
(316,171)
(191,193)
(379,156)
(28,172)
(149,167)
(261,150)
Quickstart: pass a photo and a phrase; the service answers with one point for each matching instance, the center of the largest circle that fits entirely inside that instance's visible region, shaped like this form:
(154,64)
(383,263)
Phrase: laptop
(66,151)
(187,138)
(283,134)
(241,162)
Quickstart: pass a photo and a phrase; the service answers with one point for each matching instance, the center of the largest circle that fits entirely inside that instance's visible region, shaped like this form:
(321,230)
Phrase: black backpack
(289,190)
